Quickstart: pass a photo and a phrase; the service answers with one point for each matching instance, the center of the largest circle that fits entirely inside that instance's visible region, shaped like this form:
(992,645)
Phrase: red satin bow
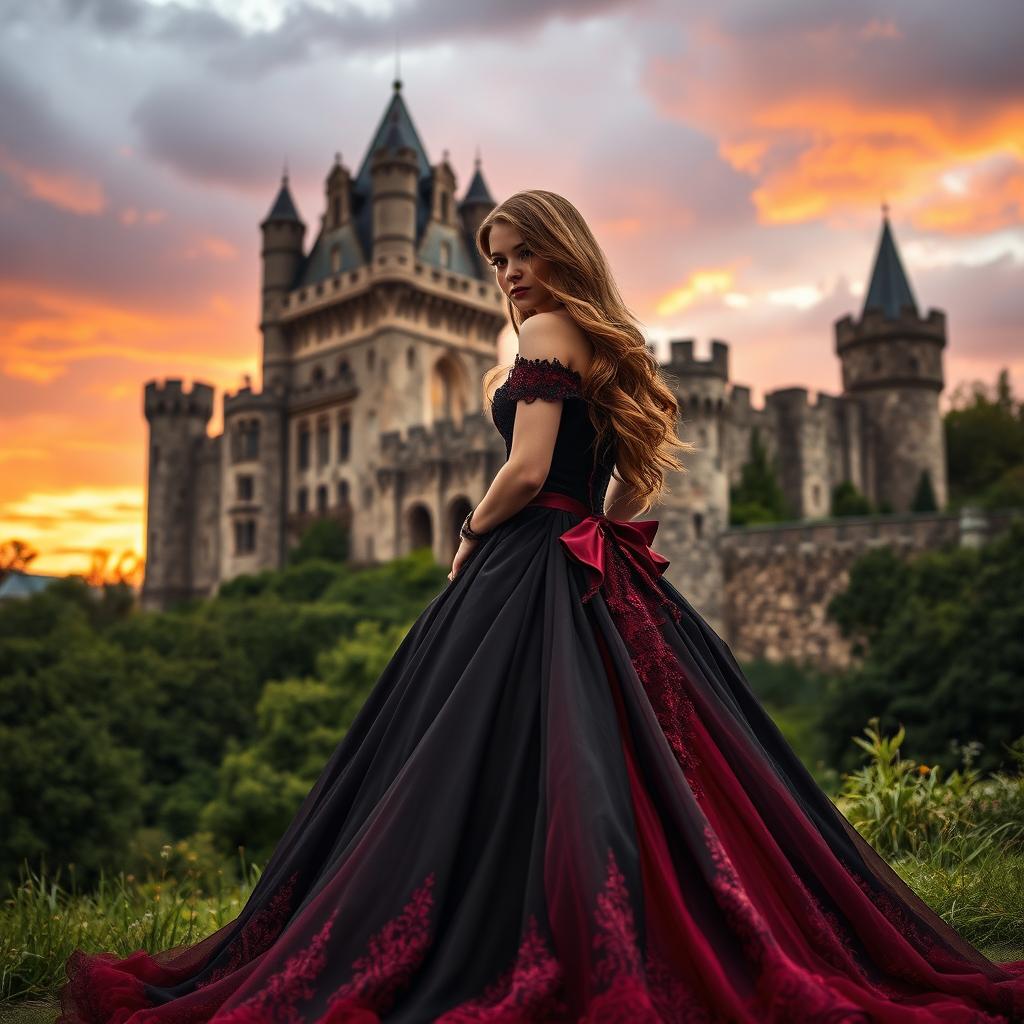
(587,540)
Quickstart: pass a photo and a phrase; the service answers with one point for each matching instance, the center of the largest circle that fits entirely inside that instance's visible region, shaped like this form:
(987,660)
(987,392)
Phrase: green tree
(942,637)
(758,497)
(300,722)
(924,496)
(323,539)
(848,501)
(984,437)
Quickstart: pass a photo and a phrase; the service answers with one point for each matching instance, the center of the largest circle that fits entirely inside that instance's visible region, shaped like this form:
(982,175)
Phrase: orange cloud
(211,245)
(55,329)
(55,523)
(700,284)
(65,190)
(817,145)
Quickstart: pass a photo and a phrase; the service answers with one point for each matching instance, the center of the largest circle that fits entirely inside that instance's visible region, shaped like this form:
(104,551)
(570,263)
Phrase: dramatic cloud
(827,109)
(730,159)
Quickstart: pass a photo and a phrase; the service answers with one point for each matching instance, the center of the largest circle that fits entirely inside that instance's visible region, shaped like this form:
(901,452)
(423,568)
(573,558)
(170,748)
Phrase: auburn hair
(630,403)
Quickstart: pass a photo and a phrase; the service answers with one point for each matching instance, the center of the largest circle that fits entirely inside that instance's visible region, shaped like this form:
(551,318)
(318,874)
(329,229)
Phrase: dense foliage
(758,497)
(941,640)
(985,445)
(118,723)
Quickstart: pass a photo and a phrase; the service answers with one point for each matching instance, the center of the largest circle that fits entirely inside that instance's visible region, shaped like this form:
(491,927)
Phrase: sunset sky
(730,157)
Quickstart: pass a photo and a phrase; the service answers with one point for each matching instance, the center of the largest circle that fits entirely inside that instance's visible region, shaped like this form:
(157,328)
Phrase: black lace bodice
(577,469)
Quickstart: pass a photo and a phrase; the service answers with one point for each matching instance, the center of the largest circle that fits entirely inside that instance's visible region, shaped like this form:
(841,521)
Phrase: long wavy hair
(631,406)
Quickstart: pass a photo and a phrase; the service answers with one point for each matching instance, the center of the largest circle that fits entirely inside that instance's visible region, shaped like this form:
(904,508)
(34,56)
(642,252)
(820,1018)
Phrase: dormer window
(446,254)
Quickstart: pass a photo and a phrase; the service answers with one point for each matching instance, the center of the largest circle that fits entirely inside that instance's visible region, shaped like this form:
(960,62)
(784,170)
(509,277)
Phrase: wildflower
(923,769)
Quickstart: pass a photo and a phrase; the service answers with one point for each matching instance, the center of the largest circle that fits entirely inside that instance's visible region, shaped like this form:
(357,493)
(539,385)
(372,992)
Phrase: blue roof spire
(889,291)
(284,205)
(477,191)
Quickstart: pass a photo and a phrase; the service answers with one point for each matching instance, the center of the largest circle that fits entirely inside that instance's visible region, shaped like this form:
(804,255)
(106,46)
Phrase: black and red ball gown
(562,802)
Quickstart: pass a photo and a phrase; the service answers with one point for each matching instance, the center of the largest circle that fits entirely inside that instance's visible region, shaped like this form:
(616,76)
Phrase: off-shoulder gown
(561,801)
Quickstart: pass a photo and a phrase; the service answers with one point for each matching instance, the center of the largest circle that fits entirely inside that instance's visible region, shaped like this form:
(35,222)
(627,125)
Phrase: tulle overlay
(561,802)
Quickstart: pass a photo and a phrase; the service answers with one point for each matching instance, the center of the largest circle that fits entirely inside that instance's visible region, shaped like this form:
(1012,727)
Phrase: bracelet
(467,532)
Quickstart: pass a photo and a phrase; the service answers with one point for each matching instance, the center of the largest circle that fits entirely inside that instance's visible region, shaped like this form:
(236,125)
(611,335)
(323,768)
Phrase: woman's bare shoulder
(554,334)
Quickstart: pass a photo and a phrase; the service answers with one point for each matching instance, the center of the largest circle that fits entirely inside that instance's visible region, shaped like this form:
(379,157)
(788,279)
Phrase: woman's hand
(466,548)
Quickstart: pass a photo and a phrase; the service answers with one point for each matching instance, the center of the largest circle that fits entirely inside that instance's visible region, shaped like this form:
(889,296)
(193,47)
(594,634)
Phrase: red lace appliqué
(393,955)
(638,606)
(627,990)
(786,991)
(549,379)
(257,934)
(276,1002)
(529,990)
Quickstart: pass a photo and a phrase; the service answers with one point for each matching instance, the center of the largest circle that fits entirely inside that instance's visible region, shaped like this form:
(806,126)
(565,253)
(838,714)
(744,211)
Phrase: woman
(561,800)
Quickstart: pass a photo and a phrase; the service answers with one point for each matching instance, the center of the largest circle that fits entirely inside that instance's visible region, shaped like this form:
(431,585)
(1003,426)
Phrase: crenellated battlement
(683,363)
(797,399)
(874,326)
(442,440)
(171,399)
(245,400)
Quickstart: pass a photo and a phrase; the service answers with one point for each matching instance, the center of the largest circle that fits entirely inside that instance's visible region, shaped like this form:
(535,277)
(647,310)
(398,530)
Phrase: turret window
(344,438)
(245,487)
(245,536)
(245,441)
(335,258)
(323,442)
(446,254)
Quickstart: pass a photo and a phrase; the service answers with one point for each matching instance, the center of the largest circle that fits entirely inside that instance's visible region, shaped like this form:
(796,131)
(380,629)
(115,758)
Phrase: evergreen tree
(924,496)
(758,497)
(984,438)
(324,539)
(848,501)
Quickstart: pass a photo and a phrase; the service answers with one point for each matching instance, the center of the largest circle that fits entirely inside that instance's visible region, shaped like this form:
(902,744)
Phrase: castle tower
(339,196)
(696,508)
(892,364)
(474,207)
(177,432)
(253,466)
(394,171)
(283,232)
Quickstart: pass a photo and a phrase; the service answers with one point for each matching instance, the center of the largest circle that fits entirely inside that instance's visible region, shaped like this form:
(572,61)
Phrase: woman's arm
(533,439)
(619,503)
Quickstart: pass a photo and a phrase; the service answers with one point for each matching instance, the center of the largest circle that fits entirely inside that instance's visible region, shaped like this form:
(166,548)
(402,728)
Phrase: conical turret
(283,232)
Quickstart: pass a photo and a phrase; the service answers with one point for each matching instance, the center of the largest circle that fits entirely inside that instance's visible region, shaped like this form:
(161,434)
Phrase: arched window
(335,259)
(447,391)
(323,442)
(344,437)
(318,375)
(303,459)
(321,498)
(446,254)
(420,528)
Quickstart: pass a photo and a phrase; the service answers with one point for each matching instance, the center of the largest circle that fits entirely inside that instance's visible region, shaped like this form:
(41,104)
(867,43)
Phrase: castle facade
(375,340)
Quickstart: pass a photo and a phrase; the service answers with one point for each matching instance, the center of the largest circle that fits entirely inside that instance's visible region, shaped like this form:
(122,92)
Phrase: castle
(375,340)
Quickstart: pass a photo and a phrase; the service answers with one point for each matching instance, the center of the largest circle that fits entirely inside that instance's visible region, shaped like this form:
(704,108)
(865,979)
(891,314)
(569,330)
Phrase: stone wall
(780,578)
